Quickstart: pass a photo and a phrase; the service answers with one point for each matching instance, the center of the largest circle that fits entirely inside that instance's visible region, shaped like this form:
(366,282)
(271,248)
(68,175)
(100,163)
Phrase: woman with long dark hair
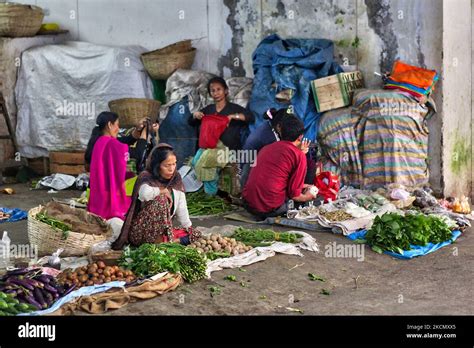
(108,164)
(158,197)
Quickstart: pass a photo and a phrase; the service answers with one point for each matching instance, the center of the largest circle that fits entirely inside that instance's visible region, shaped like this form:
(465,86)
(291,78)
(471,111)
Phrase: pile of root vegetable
(215,246)
(31,287)
(95,274)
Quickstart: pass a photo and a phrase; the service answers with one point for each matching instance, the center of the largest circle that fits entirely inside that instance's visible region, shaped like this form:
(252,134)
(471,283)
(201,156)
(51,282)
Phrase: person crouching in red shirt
(279,173)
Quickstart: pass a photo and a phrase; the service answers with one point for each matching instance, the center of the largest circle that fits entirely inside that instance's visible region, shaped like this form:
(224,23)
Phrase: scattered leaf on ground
(215,290)
(314,277)
(262,297)
(231,278)
(325,292)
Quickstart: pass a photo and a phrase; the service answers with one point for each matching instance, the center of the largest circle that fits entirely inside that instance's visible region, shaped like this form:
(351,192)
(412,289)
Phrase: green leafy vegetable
(260,237)
(396,233)
(199,203)
(150,259)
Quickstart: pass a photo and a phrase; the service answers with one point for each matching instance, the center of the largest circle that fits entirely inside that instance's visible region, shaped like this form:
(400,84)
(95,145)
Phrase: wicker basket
(132,110)
(18,20)
(162,63)
(49,239)
(178,47)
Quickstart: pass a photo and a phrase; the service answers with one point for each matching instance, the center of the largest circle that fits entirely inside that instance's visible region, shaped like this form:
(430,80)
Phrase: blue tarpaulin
(15,214)
(416,250)
(290,64)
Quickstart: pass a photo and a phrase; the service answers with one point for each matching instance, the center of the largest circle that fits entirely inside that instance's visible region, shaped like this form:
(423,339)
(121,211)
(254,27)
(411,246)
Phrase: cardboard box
(336,91)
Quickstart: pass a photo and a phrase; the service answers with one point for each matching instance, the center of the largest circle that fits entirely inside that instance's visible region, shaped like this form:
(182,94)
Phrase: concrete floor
(440,283)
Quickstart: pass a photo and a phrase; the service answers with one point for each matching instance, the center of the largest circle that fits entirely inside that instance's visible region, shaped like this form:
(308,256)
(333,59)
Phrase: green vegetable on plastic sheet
(396,233)
(150,259)
(199,204)
(260,237)
(65,228)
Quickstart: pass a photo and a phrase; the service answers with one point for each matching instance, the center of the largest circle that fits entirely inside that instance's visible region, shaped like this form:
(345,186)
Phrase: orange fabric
(419,77)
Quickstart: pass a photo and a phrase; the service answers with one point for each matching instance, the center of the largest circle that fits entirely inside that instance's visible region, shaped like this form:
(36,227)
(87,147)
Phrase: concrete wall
(457,98)
(368,33)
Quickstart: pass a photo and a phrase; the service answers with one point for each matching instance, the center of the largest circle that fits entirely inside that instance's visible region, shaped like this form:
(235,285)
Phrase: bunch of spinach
(394,232)
(150,259)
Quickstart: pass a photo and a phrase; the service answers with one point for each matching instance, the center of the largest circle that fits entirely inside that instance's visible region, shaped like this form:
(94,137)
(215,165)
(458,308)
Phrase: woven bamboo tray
(18,20)
(132,110)
(49,239)
(162,63)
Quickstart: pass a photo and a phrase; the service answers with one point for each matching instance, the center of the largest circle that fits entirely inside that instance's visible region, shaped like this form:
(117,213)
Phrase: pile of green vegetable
(200,203)
(150,259)
(65,228)
(394,232)
(11,306)
(260,237)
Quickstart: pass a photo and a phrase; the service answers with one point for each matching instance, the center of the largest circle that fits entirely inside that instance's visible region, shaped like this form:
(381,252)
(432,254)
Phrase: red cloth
(177,233)
(212,127)
(277,176)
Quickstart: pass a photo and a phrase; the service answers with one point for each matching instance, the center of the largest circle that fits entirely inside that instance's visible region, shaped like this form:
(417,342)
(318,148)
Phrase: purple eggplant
(18,272)
(22,282)
(45,278)
(36,283)
(50,288)
(48,297)
(38,295)
(32,301)
(72,287)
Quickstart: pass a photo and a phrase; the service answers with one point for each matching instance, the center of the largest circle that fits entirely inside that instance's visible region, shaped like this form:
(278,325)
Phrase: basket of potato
(95,274)
(215,243)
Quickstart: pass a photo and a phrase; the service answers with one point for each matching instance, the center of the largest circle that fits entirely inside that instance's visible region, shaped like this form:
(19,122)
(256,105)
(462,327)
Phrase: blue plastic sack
(416,250)
(16,214)
(176,131)
(290,64)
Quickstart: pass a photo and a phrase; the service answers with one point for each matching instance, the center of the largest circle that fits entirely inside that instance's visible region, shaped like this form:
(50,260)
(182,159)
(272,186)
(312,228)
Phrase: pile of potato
(217,243)
(95,273)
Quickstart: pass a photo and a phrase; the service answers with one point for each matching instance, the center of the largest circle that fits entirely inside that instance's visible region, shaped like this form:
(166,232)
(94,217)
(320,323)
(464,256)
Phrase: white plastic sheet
(62,88)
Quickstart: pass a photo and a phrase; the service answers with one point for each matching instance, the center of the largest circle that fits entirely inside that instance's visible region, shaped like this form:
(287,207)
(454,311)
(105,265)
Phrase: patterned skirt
(153,224)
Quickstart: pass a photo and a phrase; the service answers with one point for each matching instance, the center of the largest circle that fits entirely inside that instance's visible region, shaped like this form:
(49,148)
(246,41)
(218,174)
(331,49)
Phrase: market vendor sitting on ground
(279,174)
(231,134)
(158,197)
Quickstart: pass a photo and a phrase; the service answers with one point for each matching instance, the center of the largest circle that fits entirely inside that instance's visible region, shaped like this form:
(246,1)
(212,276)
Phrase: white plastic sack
(58,181)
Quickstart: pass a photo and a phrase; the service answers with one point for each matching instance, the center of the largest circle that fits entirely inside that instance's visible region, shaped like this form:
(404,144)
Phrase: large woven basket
(162,63)
(18,20)
(132,110)
(49,239)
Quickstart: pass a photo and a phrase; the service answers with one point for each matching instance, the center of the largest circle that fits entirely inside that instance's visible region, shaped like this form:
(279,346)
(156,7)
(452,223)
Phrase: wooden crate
(71,163)
(336,91)
(40,165)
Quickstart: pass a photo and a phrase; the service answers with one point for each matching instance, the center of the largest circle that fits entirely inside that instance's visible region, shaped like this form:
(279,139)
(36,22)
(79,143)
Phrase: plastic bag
(54,261)
(328,185)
